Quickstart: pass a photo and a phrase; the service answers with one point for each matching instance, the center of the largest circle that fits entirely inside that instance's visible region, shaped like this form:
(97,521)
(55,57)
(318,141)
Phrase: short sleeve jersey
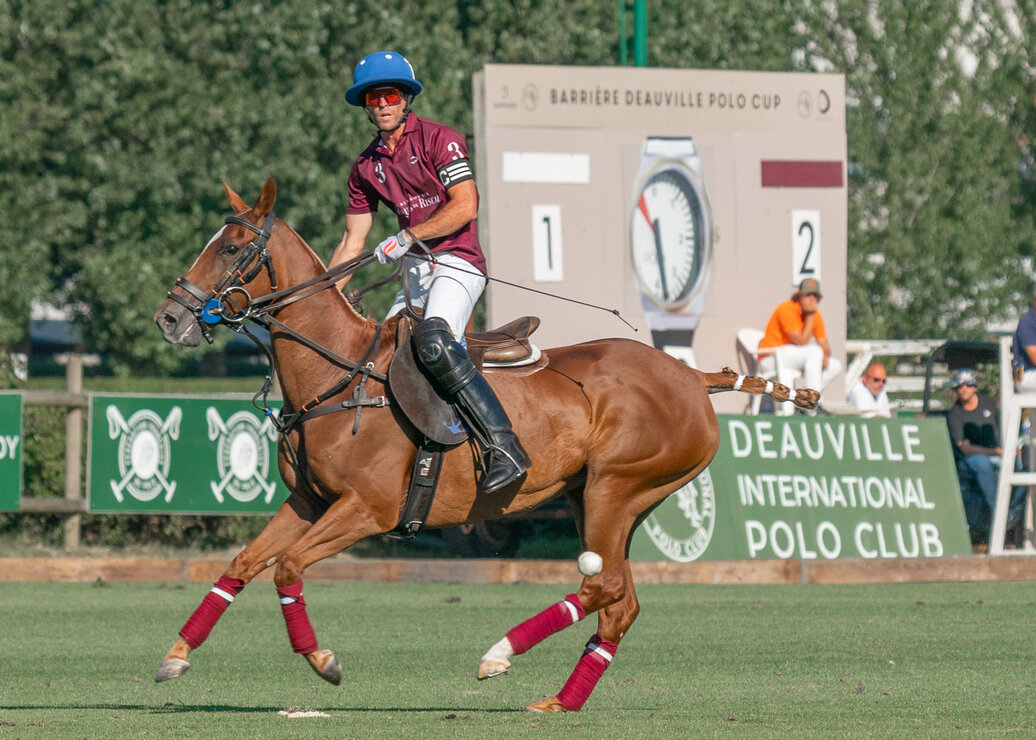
(866,404)
(786,318)
(413,181)
(1024,336)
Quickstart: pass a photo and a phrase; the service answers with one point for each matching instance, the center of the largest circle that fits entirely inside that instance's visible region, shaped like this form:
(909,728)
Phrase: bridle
(209,310)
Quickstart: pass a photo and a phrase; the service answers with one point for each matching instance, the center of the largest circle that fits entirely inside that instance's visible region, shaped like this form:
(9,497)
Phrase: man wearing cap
(796,332)
(1023,349)
(975,435)
(419,169)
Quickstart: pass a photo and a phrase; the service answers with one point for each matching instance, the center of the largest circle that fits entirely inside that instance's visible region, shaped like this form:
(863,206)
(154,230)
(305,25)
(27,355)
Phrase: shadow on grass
(170,708)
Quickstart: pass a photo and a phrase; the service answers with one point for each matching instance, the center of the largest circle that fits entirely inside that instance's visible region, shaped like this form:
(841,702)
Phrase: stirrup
(515,469)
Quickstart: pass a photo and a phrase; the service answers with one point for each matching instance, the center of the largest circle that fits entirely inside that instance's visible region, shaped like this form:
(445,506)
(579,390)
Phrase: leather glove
(391,249)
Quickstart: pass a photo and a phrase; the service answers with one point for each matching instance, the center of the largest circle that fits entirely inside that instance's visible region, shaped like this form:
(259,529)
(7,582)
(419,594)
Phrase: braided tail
(728,380)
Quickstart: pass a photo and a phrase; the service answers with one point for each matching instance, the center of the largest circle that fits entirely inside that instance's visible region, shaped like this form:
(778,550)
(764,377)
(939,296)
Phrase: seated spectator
(975,435)
(869,396)
(797,333)
(1023,349)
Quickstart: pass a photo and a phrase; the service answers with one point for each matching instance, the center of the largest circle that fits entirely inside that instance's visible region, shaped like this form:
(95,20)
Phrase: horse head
(235,267)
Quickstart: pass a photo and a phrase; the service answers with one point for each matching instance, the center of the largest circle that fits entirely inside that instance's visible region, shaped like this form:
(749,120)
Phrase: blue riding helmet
(382,68)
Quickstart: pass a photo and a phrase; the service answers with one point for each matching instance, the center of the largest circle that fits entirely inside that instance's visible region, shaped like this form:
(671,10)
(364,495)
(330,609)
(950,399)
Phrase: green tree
(120,118)
(712,34)
(33,216)
(938,219)
(139,108)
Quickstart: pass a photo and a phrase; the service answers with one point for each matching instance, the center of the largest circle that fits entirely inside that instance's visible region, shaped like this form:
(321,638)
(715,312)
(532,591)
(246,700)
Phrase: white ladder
(1011,405)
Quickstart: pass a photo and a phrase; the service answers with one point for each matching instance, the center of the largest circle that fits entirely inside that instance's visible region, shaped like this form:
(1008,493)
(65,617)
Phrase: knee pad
(442,355)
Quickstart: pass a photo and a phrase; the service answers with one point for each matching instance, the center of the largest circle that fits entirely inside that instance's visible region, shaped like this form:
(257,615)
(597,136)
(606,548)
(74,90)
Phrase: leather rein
(211,307)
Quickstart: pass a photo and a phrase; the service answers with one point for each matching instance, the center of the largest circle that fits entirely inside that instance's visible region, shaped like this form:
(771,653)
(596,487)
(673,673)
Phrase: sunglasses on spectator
(390,95)
(876,380)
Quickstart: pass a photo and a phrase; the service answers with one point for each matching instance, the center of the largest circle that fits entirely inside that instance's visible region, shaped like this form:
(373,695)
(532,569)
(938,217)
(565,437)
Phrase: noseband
(207,307)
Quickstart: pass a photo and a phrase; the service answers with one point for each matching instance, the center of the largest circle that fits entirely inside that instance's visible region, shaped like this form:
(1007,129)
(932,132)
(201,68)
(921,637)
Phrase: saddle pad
(418,398)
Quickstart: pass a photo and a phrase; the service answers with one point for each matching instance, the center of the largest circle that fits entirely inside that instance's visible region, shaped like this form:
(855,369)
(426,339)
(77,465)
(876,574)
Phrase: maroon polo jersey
(413,181)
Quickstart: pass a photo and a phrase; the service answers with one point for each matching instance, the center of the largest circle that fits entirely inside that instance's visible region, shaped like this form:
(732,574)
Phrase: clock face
(669,235)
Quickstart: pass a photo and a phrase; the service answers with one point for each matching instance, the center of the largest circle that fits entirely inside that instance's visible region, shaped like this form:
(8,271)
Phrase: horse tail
(728,380)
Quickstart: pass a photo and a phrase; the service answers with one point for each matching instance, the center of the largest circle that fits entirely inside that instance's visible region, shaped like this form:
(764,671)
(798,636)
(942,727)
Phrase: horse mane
(319,267)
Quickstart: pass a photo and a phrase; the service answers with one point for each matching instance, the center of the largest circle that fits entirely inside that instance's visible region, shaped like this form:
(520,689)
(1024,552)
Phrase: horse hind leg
(556,617)
(532,631)
(610,592)
(613,621)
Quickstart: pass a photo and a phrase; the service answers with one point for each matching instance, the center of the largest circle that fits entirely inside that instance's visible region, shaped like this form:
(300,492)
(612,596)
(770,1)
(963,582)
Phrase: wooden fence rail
(73,505)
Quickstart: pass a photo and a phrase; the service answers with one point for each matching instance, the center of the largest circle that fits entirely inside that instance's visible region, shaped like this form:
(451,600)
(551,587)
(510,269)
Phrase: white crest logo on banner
(144,452)
(242,456)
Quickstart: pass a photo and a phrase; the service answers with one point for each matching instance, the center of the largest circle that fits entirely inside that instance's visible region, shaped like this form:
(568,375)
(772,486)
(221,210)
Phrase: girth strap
(423,482)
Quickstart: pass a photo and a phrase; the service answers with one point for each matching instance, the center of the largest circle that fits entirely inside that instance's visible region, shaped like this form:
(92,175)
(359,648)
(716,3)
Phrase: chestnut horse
(614,425)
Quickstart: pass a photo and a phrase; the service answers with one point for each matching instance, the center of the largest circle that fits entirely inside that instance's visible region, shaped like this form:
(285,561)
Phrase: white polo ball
(590,563)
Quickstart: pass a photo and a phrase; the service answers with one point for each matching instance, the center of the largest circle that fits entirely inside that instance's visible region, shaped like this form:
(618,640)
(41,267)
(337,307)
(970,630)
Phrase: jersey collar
(410,126)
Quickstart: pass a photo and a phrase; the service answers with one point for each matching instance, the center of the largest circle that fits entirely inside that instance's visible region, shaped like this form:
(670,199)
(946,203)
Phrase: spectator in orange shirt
(796,334)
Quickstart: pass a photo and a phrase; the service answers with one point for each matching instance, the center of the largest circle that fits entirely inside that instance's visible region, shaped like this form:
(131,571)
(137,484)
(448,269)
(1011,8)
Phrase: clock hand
(658,244)
(644,209)
(655,227)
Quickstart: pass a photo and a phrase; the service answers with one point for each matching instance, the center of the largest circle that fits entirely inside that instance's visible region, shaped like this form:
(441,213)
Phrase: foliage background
(121,116)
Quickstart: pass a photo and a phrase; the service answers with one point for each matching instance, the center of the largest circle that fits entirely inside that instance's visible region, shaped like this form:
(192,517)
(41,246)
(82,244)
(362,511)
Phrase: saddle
(418,397)
(508,346)
(420,400)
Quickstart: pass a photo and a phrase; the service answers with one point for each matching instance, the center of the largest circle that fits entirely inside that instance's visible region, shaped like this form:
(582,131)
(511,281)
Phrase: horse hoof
(490,668)
(496,661)
(172,668)
(325,664)
(547,705)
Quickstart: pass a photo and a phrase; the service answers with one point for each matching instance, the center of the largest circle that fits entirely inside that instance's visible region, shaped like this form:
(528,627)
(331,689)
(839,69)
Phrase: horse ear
(266,198)
(237,203)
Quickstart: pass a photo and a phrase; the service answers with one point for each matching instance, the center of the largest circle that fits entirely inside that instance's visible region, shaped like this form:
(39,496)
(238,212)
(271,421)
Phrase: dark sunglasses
(876,380)
(391,96)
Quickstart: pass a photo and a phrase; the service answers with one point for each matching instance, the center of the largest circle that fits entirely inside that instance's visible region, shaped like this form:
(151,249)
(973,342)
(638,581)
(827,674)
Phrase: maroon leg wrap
(211,609)
(300,631)
(596,659)
(552,619)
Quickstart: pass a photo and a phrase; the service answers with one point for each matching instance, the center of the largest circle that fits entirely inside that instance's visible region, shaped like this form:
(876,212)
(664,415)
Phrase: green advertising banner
(815,488)
(182,454)
(10,451)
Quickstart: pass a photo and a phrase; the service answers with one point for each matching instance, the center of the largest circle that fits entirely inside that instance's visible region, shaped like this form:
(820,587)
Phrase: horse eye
(230,248)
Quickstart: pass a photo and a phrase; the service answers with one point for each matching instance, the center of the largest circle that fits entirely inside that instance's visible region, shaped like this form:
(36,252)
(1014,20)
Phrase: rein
(211,309)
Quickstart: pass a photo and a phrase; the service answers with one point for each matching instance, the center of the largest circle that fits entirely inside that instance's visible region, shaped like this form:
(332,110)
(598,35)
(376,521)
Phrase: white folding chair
(748,359)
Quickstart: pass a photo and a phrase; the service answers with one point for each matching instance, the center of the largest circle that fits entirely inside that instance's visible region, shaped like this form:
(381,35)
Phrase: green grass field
(77,660)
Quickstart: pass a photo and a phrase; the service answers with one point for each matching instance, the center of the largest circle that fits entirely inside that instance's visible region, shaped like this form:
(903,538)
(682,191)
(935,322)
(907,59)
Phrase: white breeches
(448,291)
(804,361)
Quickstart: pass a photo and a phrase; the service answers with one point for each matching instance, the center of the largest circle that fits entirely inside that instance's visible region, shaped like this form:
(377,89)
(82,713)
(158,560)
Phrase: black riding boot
(449,364)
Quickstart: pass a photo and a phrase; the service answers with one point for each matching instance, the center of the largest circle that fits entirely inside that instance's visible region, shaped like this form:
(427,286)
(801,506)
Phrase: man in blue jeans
(975,434)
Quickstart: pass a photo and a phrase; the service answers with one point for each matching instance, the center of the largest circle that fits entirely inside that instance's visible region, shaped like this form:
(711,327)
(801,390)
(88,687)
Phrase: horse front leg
(289,523)
(344,524)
